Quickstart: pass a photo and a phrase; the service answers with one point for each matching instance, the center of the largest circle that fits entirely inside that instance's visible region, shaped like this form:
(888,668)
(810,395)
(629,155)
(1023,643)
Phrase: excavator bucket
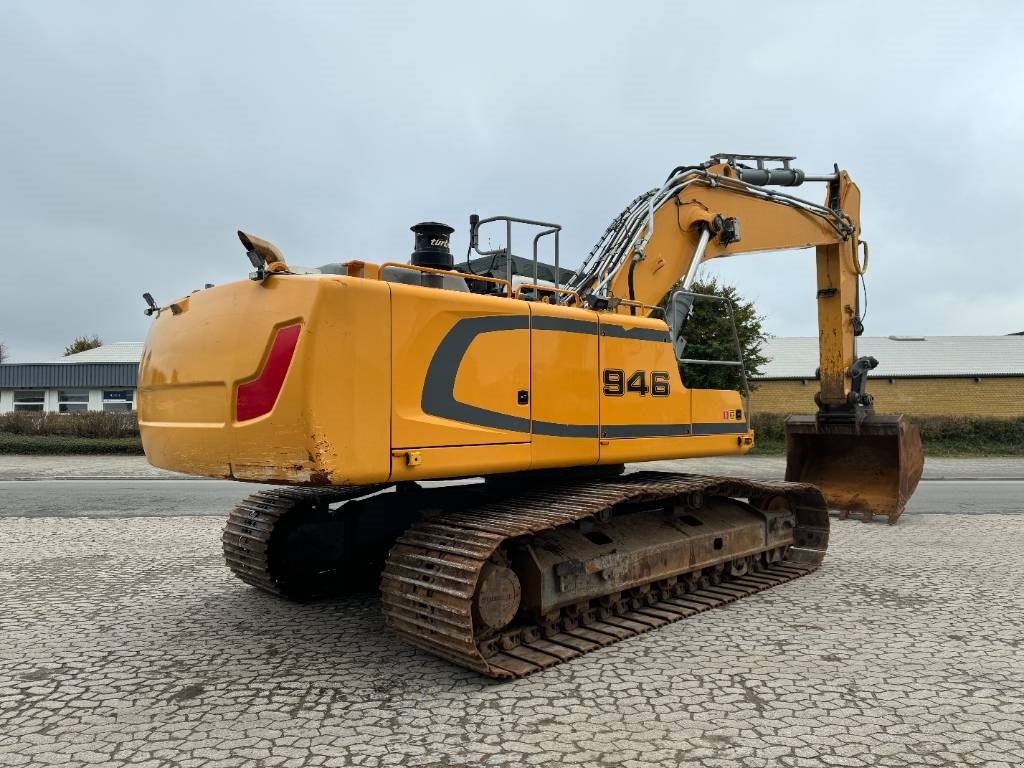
(871,470)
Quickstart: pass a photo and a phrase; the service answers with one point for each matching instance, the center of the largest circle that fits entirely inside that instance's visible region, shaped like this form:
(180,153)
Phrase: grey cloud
(136,137)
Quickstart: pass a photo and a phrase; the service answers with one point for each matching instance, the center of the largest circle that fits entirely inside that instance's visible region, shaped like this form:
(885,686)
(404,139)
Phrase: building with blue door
(100,379)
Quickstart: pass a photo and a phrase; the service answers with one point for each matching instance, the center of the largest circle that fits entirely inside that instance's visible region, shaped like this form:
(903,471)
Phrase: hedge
(76,433)
(60,445)
(86,424)
(940,435)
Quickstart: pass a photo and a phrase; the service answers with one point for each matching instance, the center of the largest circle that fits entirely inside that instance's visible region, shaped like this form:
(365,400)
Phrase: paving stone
(125,642)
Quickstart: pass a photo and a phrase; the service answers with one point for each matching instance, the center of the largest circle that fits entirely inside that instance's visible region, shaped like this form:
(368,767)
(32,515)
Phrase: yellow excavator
(526,388)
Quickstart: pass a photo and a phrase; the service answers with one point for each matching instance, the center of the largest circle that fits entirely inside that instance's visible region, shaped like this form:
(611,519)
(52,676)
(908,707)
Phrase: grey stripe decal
(565,324)
(438,398)
(544,323)
(636,334)
(552,429)
(645,430)
(727,428)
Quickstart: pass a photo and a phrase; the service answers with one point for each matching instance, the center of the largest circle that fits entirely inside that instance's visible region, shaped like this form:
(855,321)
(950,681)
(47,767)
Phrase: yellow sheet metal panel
(718,411)
(349,388)
(458,361)
(326,416)
(278,445)
(641,392)
(564,386)
(459,461)
(194,360)
(660,448)
(203,404)
(493,371)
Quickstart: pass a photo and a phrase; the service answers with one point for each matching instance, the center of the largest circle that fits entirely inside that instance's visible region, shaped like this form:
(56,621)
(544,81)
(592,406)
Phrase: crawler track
(433,572)
(249,535)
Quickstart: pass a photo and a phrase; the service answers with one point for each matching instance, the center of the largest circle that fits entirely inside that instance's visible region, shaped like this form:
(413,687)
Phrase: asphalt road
(172,498)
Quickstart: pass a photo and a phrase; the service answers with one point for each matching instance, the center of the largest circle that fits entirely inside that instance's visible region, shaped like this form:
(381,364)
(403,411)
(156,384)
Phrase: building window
(71,400)
(118,399)
(29,399)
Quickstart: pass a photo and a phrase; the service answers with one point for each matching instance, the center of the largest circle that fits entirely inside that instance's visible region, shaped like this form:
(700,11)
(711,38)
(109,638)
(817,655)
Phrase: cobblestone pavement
(16,467)
(126,642)
(22,467)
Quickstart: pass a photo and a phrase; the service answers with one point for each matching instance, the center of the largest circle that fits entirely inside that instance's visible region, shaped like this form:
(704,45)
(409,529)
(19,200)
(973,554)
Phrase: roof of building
(112,365)
(796,357)
(55,375)
(119,352)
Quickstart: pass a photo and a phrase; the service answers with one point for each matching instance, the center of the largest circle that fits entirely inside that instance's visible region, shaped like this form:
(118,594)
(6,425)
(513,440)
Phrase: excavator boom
(863,462)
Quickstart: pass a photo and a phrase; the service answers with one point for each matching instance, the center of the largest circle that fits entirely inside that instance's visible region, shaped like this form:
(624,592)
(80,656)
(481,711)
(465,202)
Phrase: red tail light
(257,397)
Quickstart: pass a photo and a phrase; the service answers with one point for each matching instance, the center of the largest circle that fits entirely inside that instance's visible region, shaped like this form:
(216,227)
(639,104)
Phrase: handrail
(738,363)
(475,222)
(641,305)
(450,273)
(536,240)
(547,289)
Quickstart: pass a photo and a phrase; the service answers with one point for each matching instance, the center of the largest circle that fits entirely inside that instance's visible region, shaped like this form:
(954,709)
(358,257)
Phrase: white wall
(51,400)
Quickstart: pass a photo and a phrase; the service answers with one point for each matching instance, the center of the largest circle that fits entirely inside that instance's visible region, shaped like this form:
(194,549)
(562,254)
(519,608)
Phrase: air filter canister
(431,246)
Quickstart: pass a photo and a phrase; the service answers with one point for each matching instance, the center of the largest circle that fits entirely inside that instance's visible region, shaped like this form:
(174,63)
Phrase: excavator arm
(862,461)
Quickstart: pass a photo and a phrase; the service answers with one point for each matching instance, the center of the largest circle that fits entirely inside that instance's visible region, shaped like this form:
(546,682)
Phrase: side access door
(460,381)
(564,391)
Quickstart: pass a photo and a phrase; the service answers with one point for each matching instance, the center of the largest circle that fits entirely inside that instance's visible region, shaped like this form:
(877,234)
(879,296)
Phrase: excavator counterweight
(534,386)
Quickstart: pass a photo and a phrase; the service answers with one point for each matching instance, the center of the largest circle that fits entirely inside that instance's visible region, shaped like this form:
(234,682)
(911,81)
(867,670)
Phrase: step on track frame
(432,573)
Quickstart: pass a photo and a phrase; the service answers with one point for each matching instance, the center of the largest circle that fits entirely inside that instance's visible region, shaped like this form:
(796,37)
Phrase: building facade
(101,379)
(923,376)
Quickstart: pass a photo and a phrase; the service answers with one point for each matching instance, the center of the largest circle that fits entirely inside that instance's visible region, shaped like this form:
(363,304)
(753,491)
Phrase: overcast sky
(137,137)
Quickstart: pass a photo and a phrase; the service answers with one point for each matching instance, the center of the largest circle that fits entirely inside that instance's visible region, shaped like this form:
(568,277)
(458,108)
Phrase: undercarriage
(507,579)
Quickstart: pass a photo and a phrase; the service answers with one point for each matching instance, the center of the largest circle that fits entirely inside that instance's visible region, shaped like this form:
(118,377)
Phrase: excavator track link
(248,534)
(432,572)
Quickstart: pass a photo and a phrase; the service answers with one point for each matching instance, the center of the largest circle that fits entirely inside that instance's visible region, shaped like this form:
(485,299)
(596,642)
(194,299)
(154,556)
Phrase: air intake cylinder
(431,247)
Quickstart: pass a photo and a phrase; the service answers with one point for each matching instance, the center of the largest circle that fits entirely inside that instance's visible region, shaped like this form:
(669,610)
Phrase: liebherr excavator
(351,385)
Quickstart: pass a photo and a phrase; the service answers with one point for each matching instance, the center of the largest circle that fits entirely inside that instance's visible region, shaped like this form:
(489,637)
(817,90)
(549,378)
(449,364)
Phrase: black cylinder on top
(431,248)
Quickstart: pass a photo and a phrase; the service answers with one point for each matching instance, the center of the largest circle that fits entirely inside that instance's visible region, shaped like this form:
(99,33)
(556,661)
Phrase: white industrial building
(100,379)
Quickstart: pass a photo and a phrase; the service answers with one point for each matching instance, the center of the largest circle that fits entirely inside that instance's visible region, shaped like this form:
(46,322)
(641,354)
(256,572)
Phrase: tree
(3,353)
(81,344)
(709,336)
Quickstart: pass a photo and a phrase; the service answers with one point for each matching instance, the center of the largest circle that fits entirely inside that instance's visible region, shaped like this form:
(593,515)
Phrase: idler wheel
(497,598)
